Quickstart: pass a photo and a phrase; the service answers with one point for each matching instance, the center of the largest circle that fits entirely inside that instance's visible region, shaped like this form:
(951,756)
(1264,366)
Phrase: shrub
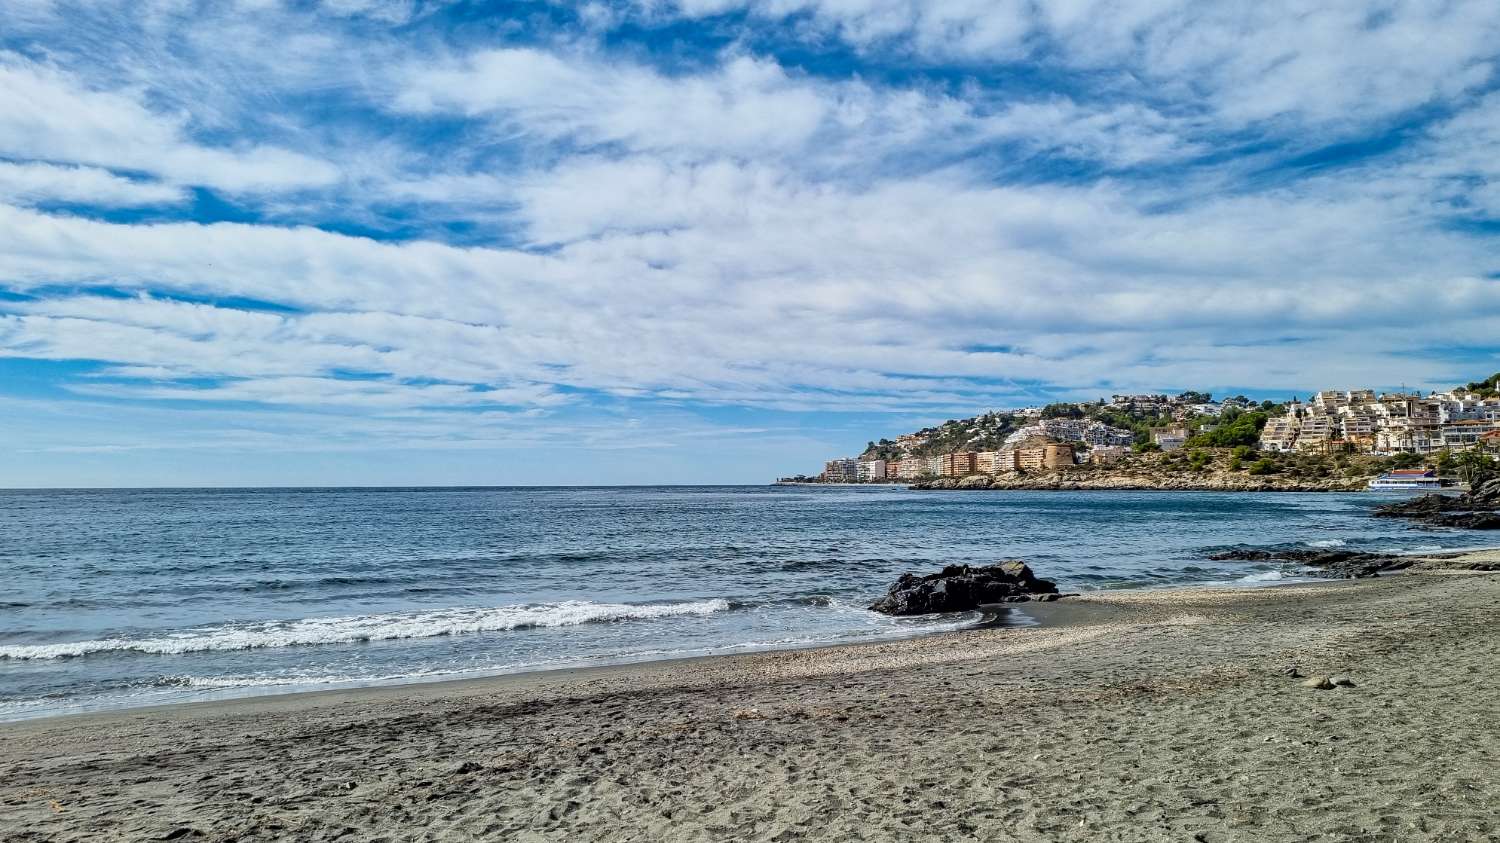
(1263,466)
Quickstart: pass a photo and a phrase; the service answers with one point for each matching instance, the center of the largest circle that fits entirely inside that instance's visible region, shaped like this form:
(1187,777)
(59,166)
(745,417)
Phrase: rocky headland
(1145,479)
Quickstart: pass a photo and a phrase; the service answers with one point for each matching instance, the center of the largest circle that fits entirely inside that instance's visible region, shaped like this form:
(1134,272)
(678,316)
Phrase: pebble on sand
(1343,681)
(1319,682)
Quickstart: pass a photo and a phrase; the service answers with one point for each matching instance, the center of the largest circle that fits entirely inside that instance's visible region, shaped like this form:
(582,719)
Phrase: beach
(1144,715)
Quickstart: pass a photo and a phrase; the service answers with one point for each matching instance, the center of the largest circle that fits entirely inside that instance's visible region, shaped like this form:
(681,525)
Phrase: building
(1072,430)
(960,464)
(910,468)
(871,471)
(1169,438)
(841,471)
(1462,435)
(1107,454)
(1280,433)
(932,467)
(1044,456)
(988,462)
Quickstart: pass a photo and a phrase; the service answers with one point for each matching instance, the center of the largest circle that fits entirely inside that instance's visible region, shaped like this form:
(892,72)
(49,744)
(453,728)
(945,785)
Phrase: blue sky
(355,241)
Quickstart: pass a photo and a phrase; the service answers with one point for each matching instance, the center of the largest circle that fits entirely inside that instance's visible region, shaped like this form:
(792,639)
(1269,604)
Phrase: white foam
(1326,543)
(344,630)
(1263,576)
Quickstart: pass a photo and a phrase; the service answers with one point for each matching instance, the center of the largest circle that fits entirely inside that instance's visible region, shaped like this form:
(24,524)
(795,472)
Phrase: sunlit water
(117,598)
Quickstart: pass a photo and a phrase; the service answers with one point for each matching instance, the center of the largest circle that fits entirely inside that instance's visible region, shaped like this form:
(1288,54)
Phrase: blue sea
(125,598)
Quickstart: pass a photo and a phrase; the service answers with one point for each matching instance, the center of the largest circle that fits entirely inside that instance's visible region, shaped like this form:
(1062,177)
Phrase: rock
(1334,563)
(1477,509)
(1319,682)
(975,481)
(1292,672)
(1342,681)
(962,588)
(1466,520)
(468,767)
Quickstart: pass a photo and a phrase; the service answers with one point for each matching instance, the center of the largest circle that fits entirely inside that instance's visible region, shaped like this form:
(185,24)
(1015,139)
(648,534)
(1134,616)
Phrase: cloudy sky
(359,241)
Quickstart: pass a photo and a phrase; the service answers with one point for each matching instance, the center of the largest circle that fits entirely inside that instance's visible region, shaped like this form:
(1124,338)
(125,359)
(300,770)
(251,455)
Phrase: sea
(122,598)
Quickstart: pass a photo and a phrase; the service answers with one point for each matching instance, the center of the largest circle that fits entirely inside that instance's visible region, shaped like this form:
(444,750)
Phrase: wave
(1263,576)
(1327,543)
(362,628)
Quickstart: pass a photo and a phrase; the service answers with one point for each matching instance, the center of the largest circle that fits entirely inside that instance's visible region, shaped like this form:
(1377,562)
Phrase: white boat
(1407,480)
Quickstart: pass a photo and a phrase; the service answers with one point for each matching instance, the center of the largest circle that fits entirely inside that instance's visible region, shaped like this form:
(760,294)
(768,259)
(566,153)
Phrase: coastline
(1157,714)
(1111,482)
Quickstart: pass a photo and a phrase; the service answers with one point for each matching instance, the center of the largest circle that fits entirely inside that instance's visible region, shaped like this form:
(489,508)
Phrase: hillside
(1137,414)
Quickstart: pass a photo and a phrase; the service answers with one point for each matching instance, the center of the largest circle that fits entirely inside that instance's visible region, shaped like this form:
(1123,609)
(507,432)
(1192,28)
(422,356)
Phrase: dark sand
(1135,716)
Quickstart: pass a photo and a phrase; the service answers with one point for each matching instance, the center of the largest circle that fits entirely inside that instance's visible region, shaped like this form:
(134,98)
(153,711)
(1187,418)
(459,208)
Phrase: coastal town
(1064,435)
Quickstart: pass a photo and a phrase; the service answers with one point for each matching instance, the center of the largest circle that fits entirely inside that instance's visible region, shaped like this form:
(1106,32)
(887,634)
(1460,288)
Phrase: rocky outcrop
(1348,564)
(1083,479)
(1477,509)
(963,588)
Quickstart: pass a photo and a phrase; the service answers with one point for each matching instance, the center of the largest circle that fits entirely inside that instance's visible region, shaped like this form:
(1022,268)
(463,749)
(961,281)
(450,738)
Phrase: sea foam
(1327,543)
(383,627)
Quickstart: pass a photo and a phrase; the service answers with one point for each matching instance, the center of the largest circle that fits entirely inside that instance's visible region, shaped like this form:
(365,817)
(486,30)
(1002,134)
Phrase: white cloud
(36,182)
(744,232)
(47,115)
(1321,62)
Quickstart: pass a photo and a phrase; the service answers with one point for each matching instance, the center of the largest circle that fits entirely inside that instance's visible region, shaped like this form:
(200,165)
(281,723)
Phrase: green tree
(1474,467)
(1243,430)
(1405,460)
(1062,411)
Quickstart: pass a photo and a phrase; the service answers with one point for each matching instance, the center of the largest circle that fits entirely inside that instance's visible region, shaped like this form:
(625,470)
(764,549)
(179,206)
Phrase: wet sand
(1162,715)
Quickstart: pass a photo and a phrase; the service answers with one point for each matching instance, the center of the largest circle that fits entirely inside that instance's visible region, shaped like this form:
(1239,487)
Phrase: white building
(841,471)
(870,470)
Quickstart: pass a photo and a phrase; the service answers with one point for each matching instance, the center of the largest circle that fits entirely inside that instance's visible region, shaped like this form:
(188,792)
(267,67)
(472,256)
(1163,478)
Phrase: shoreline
(1044,615)
(1049,483)
(1150,715)
(1052,615)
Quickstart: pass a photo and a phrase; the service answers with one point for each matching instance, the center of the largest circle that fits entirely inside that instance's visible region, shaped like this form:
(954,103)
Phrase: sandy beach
(1151,715)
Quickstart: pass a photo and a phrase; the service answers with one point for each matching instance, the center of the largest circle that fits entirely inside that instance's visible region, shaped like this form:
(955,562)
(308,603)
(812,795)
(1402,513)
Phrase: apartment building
(1043,456)
(872,470)
(841,471)
(960,464)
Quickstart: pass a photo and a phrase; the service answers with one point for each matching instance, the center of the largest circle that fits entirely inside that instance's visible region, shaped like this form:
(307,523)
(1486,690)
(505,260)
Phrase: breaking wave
(361,628)
(1327,543)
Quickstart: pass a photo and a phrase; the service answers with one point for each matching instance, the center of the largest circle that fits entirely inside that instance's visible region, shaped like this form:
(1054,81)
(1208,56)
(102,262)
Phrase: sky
(412,242)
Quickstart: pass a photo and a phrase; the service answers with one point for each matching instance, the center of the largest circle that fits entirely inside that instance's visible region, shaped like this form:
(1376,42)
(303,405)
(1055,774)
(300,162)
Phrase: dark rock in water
(1466,520)
(1333,563)
(1419,507)
(1477,509)
(962,588)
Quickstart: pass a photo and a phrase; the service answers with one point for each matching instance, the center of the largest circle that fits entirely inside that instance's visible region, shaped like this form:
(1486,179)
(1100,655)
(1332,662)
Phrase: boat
(1407,480)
